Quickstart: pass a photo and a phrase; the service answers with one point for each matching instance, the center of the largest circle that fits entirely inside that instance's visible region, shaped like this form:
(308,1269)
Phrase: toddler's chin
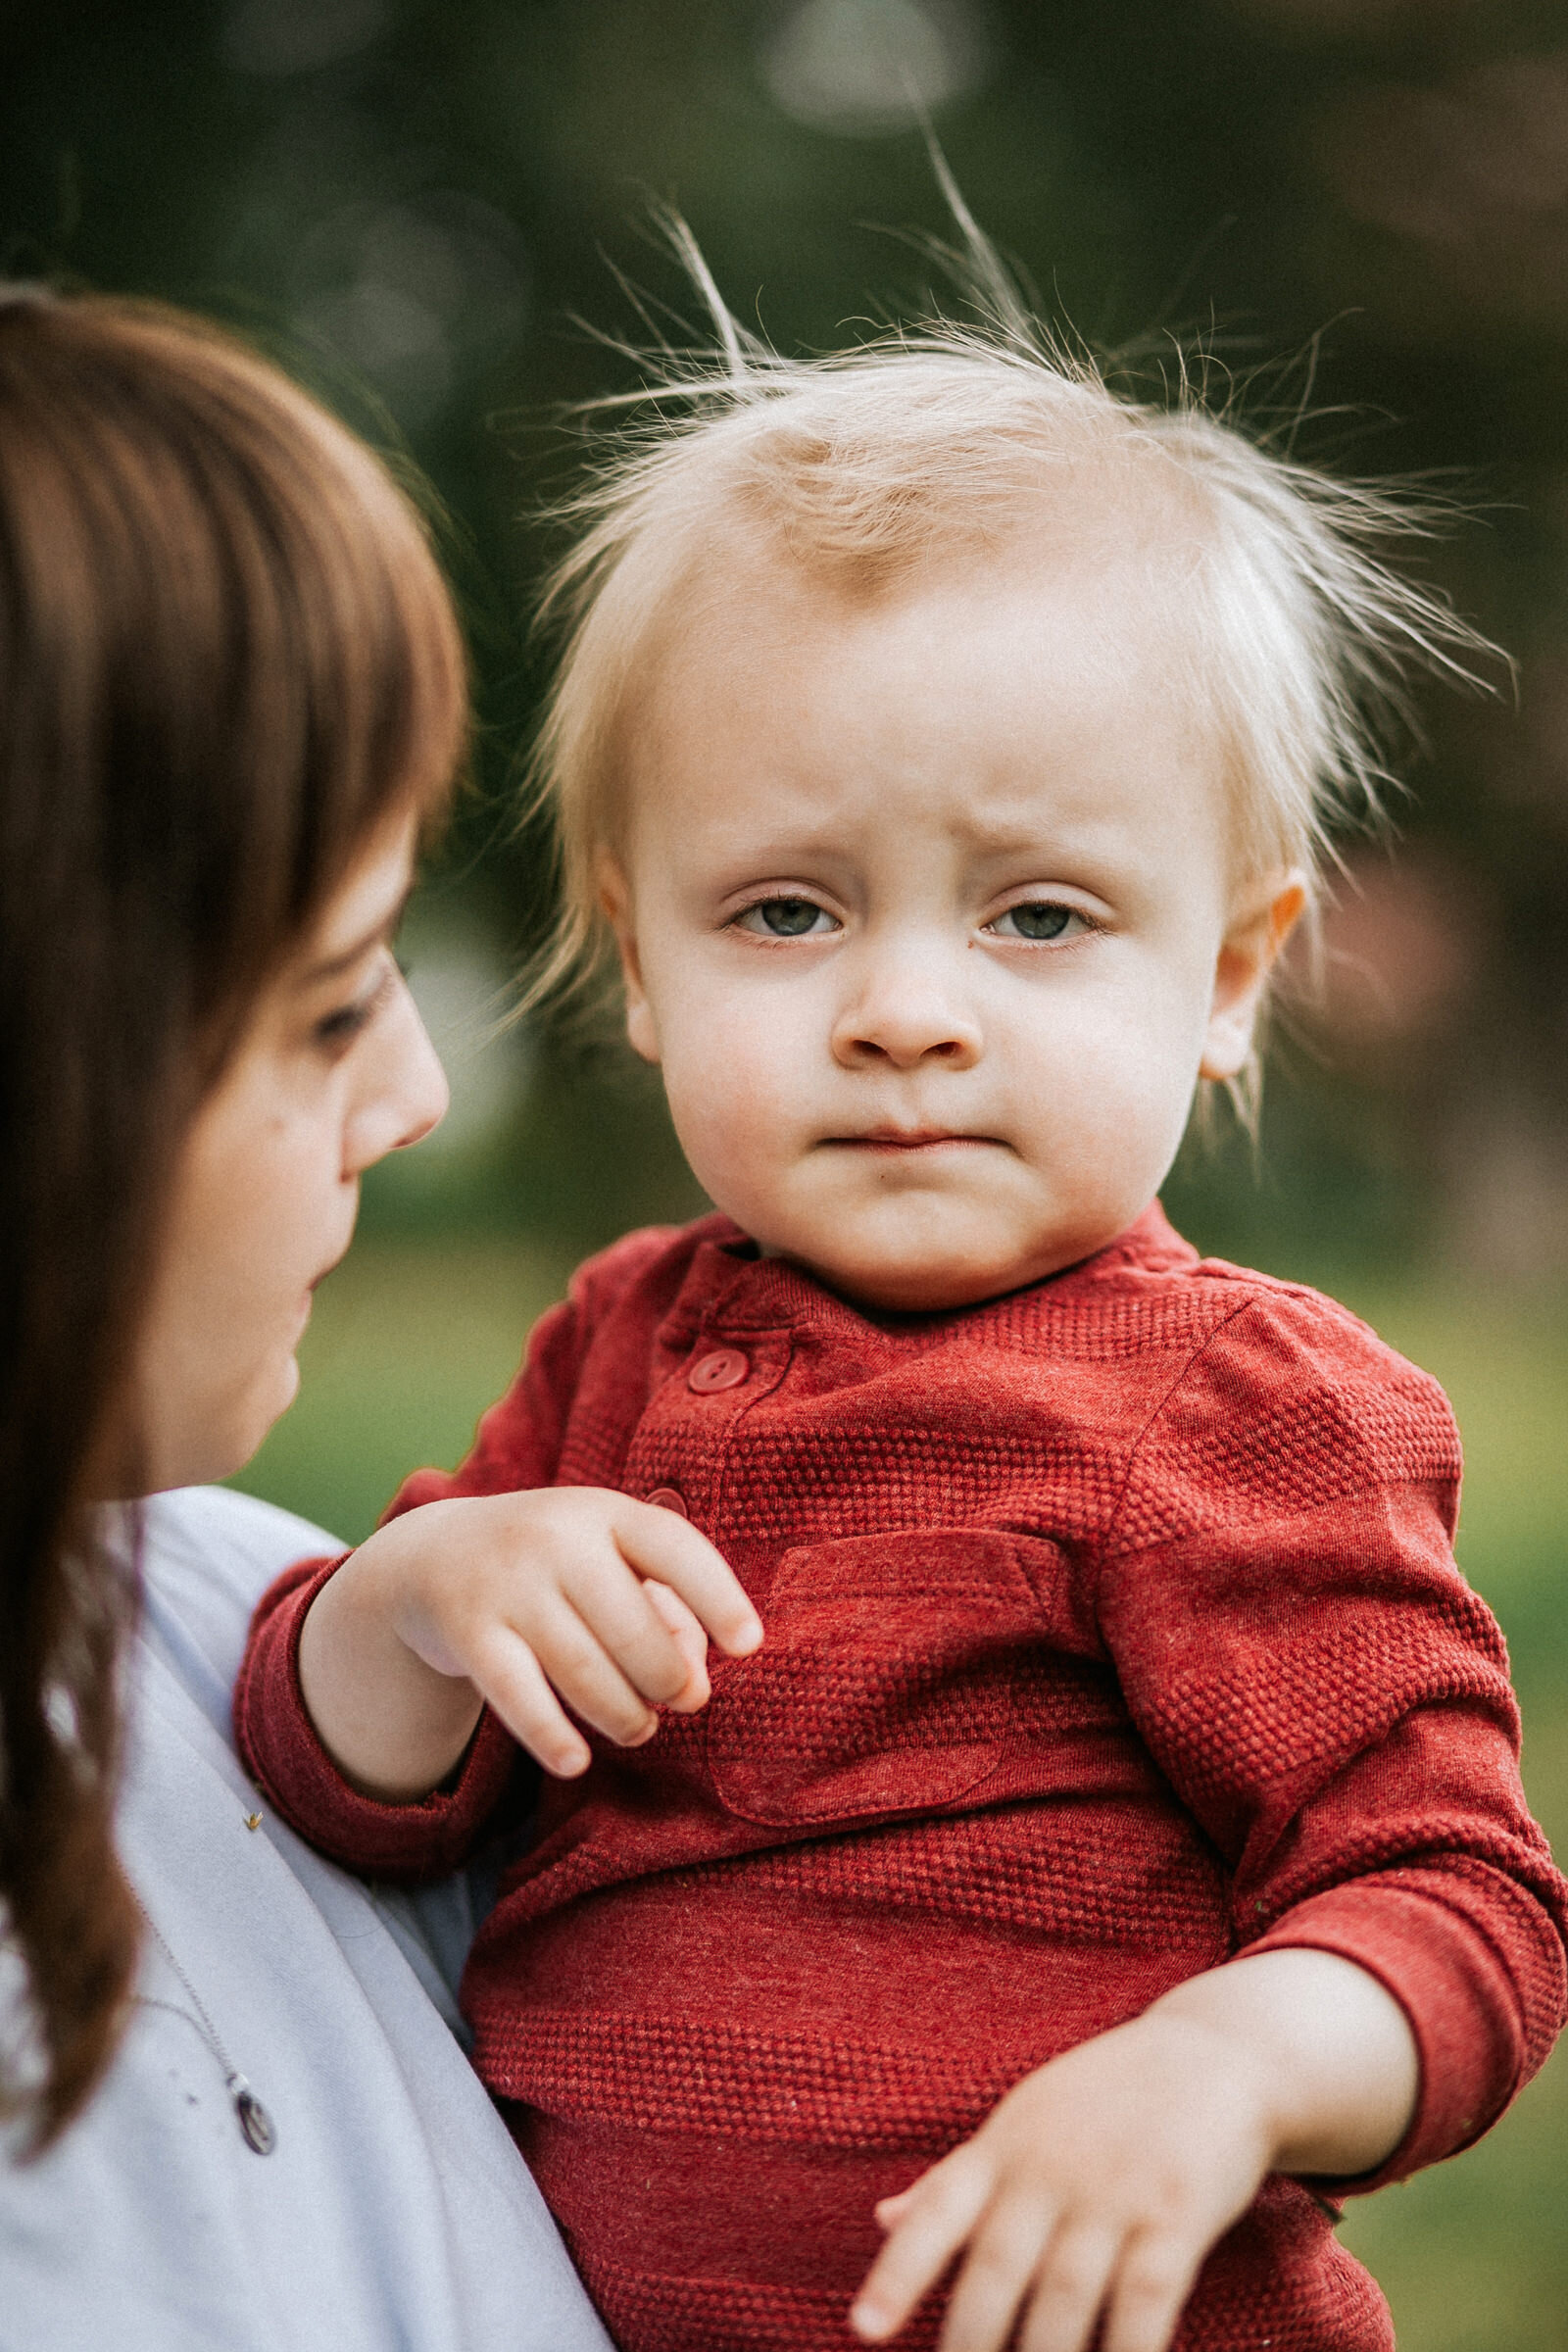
(924,1285)
(932,1279)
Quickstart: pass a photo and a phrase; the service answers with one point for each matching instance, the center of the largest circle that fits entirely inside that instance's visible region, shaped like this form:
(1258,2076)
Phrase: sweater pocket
(885,1685)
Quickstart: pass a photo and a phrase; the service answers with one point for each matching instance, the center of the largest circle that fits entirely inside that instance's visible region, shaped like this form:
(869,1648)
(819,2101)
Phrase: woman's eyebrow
(331,967)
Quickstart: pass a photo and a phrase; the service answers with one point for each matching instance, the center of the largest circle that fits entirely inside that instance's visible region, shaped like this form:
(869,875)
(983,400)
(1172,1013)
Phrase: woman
(231,697)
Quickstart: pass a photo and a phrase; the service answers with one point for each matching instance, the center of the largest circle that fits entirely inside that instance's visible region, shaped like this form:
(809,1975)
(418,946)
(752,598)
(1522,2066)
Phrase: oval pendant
(254,2122)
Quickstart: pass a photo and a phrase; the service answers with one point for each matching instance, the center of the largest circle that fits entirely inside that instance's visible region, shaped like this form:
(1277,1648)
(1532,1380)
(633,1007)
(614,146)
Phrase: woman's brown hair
(226,660)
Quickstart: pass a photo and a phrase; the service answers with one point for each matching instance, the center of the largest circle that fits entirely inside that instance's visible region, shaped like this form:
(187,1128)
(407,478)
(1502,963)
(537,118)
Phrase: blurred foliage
(1363,204)
(1357,206)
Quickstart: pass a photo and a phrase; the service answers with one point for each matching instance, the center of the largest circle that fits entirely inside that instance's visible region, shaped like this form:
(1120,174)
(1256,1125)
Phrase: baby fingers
(1152,2282)
(660,1545)
(1064,2279)
(1033,2262)
(520,1675)
(1025,2263)
(506,1674)
(603,1633)
(686,1632)
(1069,2291)
(926,2226)
(1013,2249)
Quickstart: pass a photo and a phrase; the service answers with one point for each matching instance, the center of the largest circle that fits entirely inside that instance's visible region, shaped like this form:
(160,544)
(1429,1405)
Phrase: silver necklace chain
(256,2128)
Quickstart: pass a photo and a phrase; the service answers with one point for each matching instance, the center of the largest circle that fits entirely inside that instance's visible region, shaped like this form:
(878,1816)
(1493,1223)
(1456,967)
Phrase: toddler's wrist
(1328,2052)
(1233,2066)
(401,1575)
(393,1720)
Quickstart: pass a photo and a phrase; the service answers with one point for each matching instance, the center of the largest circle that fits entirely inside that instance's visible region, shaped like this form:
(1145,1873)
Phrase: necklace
(256,2126)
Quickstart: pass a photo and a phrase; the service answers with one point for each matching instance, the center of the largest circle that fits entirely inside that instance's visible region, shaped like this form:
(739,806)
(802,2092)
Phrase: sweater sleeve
(280,1748)
(517,1446)
(1322,1689)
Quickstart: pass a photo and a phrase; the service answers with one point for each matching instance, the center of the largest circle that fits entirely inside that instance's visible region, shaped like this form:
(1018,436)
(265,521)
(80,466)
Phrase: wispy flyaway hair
(922,446)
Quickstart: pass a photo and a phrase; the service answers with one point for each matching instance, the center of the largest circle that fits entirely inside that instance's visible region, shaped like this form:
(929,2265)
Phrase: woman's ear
(1256,934)
(615,904)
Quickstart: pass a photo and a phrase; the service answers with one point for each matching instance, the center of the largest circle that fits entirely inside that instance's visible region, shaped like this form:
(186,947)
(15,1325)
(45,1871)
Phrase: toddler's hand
(569,1593)
(1096,2188)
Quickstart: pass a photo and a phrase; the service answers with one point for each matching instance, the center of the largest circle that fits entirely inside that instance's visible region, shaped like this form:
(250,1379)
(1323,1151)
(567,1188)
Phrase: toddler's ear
(614,903)
(1258,932)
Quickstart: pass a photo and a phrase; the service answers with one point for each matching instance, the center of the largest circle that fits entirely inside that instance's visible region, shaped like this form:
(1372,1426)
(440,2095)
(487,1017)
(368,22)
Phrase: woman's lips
(308,1300)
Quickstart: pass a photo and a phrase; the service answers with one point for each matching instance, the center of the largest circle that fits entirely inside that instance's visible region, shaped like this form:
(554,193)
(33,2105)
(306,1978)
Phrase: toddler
(1096,1840)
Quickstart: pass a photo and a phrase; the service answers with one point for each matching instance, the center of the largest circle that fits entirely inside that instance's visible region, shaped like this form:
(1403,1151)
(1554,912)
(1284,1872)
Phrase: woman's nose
(909,1008)
(406,1093)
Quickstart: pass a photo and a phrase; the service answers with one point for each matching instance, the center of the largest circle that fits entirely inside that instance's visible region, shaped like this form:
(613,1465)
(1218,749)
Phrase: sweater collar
(730,1283)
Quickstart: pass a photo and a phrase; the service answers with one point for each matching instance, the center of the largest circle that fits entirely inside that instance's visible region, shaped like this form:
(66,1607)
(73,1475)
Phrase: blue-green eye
(786,919)
(1036,919)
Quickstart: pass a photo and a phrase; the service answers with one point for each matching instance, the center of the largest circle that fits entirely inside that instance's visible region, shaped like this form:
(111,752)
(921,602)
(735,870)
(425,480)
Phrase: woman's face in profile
(334,1070)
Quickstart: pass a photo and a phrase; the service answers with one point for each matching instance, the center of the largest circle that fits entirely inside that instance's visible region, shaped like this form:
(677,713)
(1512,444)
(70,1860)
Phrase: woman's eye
(786,919)
(1036,919)
(338,1029)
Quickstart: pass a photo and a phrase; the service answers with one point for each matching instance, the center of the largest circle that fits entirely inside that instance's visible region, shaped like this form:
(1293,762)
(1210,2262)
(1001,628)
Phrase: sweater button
(725,1368)
(669,1498)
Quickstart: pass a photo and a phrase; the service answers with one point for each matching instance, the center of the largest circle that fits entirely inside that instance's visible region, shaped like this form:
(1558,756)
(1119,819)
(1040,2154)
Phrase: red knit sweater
(1113,1628)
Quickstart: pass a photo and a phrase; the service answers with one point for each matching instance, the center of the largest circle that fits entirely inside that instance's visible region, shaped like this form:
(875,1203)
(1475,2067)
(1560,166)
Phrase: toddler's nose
(907,1010)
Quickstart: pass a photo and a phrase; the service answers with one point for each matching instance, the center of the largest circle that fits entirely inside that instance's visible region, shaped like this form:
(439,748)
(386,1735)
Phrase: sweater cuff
(1451,1982)
(280,1746)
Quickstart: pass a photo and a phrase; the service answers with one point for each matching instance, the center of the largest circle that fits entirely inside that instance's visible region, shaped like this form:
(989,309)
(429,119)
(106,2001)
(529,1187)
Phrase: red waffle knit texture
(1113,1629)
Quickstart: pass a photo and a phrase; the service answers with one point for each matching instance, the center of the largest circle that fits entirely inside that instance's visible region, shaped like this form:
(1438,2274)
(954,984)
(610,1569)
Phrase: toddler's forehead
(1072,614)
(1116,544)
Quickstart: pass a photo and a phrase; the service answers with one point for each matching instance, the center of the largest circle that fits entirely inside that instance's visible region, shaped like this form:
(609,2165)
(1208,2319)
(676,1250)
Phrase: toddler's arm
(524,1600)
(1100,2183)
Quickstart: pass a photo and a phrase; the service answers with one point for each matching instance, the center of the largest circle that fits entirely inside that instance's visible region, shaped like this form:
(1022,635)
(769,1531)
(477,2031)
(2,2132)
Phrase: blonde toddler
(1095,1839)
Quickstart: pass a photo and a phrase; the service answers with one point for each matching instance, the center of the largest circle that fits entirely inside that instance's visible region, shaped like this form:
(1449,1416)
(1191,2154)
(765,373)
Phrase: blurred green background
(1361,205)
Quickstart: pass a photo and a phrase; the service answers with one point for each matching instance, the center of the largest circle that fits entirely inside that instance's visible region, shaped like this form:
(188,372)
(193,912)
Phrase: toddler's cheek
(729,1145)
(1130,1116)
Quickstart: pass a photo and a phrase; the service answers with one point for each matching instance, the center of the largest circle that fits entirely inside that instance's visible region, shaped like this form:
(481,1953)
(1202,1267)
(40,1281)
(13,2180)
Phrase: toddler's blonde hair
(917,445)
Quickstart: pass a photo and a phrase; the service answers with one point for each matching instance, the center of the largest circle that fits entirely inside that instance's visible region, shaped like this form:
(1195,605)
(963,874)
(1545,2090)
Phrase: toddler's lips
(908,1139)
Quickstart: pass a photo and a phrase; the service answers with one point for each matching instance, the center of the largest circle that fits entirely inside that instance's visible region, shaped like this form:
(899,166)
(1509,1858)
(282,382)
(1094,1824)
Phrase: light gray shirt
(394,2211)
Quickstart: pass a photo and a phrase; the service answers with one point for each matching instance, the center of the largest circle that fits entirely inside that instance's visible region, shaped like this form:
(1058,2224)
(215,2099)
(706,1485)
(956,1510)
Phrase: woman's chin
(213,1445)
(266,1414)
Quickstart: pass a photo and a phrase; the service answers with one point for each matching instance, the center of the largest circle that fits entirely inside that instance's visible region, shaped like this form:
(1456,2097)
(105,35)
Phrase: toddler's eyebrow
(1023,835)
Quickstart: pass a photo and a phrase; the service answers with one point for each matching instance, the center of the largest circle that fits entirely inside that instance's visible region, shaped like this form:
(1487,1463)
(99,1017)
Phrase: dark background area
(1358,207)
(414,203)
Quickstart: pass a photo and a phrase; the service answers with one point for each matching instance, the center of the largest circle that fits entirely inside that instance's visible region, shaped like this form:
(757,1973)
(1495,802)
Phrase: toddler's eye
(1037,919)
(786,919)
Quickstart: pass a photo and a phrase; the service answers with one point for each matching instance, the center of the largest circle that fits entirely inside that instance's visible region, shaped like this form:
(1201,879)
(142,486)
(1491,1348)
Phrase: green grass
(407,1347)
(411,1342)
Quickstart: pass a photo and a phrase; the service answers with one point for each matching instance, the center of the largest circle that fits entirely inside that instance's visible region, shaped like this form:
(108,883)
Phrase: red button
(669,1498)
(725,1368)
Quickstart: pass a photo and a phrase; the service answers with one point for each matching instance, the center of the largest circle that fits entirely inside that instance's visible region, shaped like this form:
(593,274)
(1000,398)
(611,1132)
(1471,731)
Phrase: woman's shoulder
(153,2222)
